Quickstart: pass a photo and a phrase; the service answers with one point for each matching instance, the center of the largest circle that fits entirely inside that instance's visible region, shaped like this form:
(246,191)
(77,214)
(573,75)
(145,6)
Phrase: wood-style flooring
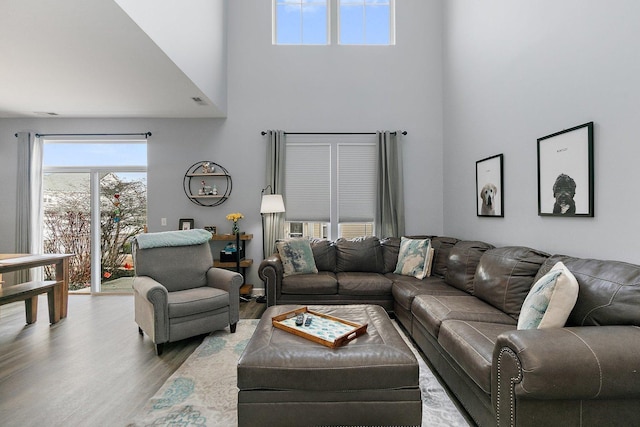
(90,369)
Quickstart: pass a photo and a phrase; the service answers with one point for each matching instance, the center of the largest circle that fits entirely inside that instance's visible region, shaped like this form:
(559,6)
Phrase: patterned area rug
(203,392)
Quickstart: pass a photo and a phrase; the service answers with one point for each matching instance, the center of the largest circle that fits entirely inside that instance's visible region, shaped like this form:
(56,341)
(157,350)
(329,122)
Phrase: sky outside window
(365,22)
(301,22)
(95,154)
(361,22)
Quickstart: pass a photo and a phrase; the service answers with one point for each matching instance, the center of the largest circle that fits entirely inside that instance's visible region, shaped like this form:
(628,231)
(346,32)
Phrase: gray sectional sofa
(464,319)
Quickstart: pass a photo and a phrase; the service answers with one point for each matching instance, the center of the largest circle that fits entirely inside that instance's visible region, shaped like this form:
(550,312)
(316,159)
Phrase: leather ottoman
(287,380)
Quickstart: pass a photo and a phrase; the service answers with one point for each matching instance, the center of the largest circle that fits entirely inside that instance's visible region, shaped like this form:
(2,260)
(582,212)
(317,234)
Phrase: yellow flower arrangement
(235,216)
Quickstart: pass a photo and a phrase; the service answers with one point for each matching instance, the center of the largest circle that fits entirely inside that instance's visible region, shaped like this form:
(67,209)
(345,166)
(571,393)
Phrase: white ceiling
(87,58)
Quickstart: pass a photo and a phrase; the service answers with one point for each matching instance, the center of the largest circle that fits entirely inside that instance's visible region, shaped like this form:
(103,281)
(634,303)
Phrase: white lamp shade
(272,203)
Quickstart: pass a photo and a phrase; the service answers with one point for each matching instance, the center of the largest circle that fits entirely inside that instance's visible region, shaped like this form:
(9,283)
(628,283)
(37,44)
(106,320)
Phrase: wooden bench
(29,291)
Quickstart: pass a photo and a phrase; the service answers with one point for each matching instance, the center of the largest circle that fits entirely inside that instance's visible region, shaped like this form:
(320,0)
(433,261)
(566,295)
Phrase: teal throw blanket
(173,238)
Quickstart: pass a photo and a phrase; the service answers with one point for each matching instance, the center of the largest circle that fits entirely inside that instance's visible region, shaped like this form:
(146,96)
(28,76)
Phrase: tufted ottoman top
(378,360)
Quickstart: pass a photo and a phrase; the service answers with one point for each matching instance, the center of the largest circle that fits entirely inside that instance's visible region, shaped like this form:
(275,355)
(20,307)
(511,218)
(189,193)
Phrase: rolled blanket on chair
(173,238)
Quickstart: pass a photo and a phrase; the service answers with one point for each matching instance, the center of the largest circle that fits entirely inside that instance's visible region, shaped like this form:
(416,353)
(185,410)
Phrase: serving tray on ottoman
(323,329)
(288,380)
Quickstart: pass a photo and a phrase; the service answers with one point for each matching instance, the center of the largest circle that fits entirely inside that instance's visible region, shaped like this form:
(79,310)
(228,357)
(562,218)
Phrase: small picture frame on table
(490,187)
(211,229)
(565,172)
(185,224)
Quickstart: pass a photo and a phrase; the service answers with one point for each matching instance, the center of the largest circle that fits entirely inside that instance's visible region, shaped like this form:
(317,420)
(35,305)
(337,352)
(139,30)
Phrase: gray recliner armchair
(177,291)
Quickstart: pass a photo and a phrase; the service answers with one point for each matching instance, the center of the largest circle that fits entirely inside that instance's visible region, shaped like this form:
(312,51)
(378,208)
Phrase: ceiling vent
(199,100)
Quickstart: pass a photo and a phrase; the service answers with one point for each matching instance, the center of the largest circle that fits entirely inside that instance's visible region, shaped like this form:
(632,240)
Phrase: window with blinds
(330,185)
(308,182)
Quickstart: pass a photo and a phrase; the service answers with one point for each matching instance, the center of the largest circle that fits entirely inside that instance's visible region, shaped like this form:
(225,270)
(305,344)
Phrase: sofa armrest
(231,282)
(271,273)
(573,363)
(151,308)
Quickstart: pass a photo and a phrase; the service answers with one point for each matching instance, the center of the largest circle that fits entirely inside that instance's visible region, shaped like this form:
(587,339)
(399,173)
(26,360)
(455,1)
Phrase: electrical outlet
(163,222)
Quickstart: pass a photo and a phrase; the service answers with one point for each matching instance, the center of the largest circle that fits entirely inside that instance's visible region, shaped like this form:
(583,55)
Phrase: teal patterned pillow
(413,257)
(296,256)
(550,300)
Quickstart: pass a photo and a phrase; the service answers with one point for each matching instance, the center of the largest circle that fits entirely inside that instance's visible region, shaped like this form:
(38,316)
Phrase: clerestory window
(348,22)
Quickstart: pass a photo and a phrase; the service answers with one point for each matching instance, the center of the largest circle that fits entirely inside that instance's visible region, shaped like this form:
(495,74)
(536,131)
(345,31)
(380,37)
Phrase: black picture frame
(490,187)
(565,173)
(186,224)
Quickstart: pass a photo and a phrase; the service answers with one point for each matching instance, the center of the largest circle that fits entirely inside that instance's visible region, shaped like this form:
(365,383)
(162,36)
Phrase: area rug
(203,391)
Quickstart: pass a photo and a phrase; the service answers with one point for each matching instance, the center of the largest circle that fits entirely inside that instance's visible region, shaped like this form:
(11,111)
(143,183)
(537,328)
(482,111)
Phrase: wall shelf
(219,178)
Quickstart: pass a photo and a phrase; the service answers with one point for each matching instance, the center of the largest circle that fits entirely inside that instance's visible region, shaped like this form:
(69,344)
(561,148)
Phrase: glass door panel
(67,224)
(123,214)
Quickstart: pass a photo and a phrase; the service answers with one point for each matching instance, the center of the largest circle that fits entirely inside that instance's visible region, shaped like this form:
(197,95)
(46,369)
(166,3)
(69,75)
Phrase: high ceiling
(88,58)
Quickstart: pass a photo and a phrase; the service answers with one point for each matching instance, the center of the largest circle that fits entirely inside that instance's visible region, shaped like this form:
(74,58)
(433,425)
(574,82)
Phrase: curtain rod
(38,135)
(263,133)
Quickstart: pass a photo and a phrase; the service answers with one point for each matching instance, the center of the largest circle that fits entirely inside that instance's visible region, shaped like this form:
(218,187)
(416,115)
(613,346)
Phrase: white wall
(323,89)
(517,70)
(192,34)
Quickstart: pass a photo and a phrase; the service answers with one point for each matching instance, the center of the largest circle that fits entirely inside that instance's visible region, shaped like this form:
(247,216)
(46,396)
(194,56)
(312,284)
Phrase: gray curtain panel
(274,223)
(29,201)
(389,219)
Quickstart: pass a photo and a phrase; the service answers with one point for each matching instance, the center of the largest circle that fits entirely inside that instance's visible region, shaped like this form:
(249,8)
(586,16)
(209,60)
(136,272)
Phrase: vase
(236,230)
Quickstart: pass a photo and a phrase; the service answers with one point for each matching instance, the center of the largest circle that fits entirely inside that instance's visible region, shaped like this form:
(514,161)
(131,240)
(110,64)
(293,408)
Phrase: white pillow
(413,257)
(550,300)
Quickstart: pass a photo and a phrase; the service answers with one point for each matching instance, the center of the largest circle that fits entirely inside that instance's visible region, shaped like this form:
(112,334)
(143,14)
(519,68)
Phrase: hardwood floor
(90,369)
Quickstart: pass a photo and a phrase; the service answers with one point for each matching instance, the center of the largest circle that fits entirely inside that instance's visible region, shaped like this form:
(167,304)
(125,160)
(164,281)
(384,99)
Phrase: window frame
(274,25)
(331,229)
(392,25)
(94,172)
(333,26)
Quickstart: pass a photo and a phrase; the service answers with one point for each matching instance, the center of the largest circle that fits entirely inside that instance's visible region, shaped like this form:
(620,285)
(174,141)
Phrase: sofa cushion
(505,275)
(296,256)
(432,310)
(609,291)
(464,257)
(359,254)
(405,288)
(390,250)
(441,246)
(195,301)
(324,254)
(322,283)
(413,258)
(358,283)
(550,300)
(471,345)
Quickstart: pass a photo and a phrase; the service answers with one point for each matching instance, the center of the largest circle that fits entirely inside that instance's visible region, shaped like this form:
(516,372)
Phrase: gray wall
(517,70)
(317,88)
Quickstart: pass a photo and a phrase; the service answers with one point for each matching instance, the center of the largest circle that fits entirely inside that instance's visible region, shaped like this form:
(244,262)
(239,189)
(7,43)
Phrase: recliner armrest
(150,290)
(226,280)
(231,282)
(151,301)
(571,363)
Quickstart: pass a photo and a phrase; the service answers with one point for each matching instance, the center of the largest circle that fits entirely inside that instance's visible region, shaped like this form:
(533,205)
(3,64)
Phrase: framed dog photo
(490,187)
(565,172)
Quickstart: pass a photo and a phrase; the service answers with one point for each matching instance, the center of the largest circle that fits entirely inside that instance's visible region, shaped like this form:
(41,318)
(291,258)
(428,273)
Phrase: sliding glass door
(95,201)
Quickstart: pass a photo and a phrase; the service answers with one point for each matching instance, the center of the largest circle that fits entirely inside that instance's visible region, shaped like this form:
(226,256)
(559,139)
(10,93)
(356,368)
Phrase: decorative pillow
(296,256)
(412,258)
(550,300)
(429,261)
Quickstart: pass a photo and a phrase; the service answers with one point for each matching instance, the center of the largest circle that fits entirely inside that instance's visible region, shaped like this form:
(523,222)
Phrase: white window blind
(308,182)
(356,182)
